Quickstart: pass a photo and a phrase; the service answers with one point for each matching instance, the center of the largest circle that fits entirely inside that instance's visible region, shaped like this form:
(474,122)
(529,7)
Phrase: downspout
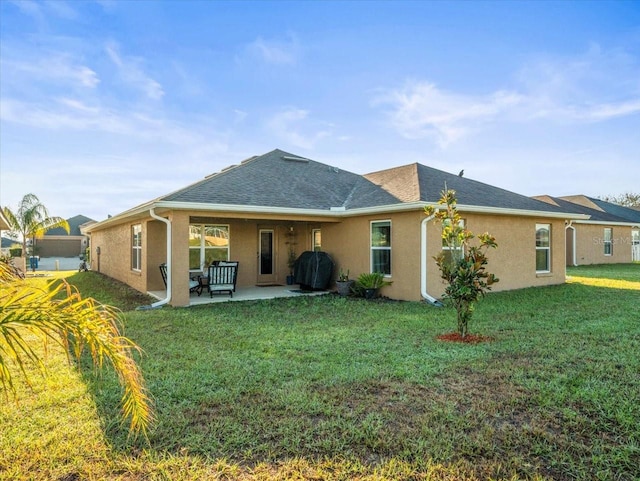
(166,300)
(573,242)
(423,264)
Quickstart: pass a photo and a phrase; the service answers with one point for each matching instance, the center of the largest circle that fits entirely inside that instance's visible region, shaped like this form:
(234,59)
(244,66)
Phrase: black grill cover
(313,270)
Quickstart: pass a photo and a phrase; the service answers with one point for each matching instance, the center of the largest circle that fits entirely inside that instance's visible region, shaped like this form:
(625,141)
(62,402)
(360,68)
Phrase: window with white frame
(207,243)
(381,247)
(450,250)
(543,247)
(316,236)
(608,241)
(136,247)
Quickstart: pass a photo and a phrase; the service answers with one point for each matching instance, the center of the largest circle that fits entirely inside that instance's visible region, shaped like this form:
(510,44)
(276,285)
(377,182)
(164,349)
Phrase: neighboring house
(610,235)
(57,243)
(255,211)
(5,242)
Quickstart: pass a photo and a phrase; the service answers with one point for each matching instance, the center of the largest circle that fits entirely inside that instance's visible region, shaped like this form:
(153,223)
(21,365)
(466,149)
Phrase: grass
(334,388)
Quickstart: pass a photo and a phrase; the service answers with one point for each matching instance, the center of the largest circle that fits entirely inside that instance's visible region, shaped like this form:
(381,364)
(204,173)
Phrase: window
(207,243)
(381,247)
(136,247)
(543,247)
(316,235)
(458,250)
(608,241)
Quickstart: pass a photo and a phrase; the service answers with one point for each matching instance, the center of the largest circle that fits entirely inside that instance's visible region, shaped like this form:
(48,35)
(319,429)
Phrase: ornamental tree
(462,265)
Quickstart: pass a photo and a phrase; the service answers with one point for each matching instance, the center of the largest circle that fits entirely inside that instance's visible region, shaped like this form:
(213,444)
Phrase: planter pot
(344,287)
(290,280)
(371,293)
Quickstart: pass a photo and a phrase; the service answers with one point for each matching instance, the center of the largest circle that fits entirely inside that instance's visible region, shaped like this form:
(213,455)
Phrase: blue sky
(108,104)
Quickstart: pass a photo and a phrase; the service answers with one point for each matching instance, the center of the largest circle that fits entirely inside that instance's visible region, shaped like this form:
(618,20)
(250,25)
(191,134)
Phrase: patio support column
(179,258)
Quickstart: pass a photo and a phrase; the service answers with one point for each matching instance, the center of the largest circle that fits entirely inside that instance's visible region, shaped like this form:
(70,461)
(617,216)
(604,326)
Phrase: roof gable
(604,210)
(419,183)
(74,226)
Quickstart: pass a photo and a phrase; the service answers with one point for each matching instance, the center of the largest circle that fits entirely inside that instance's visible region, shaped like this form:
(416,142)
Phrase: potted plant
(343,283)
(370,284)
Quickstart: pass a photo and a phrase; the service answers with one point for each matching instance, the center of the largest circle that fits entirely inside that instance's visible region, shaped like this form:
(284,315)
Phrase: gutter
(423,264)
(167,299)
(630,223)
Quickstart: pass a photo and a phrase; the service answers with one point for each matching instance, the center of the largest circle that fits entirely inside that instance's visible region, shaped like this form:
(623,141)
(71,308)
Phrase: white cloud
(61,9)
(275,52)
(132,73)
(292,125)
(420,109)
(594,87)
(56,67)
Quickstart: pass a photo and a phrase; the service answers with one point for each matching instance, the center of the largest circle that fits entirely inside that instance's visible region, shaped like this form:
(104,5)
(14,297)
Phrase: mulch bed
(468,339)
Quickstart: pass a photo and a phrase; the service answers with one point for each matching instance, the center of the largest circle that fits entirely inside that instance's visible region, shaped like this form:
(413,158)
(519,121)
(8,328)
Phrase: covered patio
(251,293)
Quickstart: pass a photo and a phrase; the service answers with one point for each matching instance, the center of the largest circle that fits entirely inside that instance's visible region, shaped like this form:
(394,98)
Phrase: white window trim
(202,246)
(548,249)
(445,247)
(372,248)
(606,242)
(313,239)
(136,249)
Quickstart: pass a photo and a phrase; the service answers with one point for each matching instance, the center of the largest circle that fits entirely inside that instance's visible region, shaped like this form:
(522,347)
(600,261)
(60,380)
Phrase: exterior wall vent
(291,158)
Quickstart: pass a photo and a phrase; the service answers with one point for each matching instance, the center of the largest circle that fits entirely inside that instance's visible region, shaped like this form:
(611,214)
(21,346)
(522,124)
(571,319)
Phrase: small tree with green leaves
(462,265)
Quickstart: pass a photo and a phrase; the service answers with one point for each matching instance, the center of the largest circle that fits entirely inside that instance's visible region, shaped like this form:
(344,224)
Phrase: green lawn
(333,388)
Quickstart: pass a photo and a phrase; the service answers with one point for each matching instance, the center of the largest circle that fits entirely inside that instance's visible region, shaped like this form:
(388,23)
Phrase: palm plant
(31,220)
(58,313)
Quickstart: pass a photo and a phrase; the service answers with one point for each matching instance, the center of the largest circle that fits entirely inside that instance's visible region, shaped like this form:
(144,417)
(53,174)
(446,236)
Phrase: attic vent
(249,159)
(228,168)
(292,158)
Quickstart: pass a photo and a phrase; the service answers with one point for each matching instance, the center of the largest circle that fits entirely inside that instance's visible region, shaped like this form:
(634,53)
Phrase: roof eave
(607,222)
(333,212)
(476,209)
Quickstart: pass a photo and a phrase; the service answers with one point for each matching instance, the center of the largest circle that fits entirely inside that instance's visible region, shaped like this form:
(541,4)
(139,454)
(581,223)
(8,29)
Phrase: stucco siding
(347,242)
(590,248)
(513,262)
(114,259)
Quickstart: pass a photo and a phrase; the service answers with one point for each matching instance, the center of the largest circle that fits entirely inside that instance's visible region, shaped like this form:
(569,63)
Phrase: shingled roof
(419,183)
(74,226)
(599,210)
(281,179)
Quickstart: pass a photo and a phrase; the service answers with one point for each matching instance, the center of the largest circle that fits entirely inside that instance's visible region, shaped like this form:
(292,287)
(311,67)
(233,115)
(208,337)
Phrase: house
(610,235)
(57,243)
(254,212)
(5,243)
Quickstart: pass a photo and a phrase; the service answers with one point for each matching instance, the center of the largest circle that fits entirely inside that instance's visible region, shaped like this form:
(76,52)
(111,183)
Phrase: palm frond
(59,313)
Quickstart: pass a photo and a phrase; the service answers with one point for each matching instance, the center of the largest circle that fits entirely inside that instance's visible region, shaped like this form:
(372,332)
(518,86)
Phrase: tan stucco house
(60,243)
(254,212)
(610,235)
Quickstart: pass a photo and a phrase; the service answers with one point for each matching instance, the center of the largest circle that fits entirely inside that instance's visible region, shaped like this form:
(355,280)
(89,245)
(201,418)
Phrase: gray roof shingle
(74,226)
(280,179)
(417,182)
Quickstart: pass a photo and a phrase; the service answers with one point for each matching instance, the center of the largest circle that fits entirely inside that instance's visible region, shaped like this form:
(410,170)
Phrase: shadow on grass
(556,394)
